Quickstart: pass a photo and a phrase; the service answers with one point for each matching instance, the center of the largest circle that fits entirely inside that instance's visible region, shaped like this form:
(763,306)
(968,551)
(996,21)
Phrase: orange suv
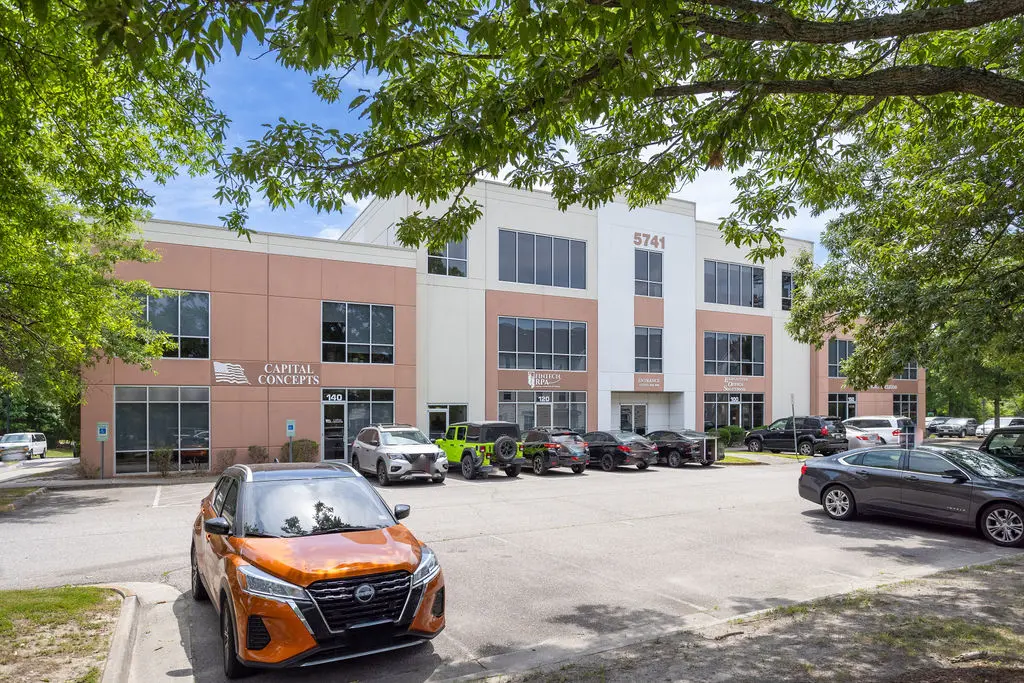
(306,565)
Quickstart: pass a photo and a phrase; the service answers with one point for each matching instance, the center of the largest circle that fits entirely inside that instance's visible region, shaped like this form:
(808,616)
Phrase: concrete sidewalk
(72,483)
(151,640)
(29,468)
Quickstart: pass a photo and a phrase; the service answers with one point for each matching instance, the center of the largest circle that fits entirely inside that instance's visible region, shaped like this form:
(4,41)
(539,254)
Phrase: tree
(77,135)
(854,107)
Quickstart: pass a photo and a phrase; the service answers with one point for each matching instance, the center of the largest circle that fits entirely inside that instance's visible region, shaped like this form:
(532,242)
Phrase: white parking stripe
(156,497)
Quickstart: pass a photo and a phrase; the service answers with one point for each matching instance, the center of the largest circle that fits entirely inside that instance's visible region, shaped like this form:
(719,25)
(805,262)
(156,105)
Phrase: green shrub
(258,455)
(163,460)
(225,459)
(303,450)
(736,434)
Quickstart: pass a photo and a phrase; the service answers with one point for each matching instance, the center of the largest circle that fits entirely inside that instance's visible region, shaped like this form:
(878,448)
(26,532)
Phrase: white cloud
(331,233)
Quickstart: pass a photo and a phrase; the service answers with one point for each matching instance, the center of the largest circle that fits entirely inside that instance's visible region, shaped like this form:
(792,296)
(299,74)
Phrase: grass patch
(56,634)
(738,460)
(59,453)
(946,637)
(8,496)
(787,611)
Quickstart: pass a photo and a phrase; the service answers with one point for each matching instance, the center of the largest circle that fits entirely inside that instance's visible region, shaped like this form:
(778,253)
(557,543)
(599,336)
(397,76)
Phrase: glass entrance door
(440,415)
(334,431)
(633,417)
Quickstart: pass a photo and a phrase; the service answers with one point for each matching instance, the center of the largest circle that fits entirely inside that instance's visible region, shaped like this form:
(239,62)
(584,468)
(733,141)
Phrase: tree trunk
(996,402)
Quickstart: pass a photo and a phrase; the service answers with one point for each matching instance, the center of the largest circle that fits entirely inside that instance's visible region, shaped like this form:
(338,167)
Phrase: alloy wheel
(538,466)
(382,474)
(837,502)
(674,459)
(1004,525)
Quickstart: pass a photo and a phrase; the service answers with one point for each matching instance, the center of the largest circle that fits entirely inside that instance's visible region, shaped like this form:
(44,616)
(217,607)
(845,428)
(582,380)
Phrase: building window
(530,409)
(358,333)
(647,275)
(838,351)
(532,344)
(541,260)
(346,412)
(905,405)
(448,261)
(843,406)
(648,349)
(439,416)
(723,409)
(733,354)
(147,419)
(185,316)
(733,284)
(909,371)
(787,290)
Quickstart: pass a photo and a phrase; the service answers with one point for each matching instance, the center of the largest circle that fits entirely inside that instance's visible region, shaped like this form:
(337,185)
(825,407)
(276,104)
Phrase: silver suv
(396,453)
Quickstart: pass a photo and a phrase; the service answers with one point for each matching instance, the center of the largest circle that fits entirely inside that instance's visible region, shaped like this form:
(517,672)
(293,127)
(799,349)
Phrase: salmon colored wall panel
(357,375)
(179,267)
(226,427)
(294,329)
(101,373)
(405,286)
(294,276)
(405,335)
(307,421)
(648,311)
(283,393)
(739,323)
(405,376)
(165,372)
(238,326)
(240,272)
(228,392)
(360,282)
(405,405)
(98,407)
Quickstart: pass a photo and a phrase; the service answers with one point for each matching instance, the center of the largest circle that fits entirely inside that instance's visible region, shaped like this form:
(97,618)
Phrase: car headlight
(398,456)
(428,567)
(440,455)
(257,582)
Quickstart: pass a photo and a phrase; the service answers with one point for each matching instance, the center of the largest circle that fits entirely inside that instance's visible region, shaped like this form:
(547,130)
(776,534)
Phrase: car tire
(805,448)
(707,463)
(1003,524)
(382,474)
(229,649)
(963,433)
(199,593)
(675,459)
(755,445)
(355,463)
(838,503)
(578,469)
(468,467)
(538,466)
(607,462)
(643,465)
(439,478)
(43,454)
(505,449)
(513,471)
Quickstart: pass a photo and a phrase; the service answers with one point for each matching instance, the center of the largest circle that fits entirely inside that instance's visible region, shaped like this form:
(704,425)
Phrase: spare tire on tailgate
(505,449)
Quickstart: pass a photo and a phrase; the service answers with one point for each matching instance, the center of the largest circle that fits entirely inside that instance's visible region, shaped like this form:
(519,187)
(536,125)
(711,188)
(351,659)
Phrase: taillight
(896,432)
(803,469)
(863,438)
(824,431)
(482,449)
(625,449)
(554,446)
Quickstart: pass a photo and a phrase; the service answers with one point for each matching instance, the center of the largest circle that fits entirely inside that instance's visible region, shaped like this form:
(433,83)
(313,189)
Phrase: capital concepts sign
(267,374)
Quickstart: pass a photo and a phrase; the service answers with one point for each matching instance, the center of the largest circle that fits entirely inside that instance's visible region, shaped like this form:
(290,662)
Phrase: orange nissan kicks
(306,565)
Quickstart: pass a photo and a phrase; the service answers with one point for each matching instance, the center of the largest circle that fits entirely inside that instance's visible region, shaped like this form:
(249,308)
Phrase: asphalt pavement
(538,569)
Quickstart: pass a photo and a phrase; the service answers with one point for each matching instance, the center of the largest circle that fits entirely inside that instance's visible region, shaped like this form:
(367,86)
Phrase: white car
(988,425)
(22,445)
(887,427)
(859,438)
(398,453)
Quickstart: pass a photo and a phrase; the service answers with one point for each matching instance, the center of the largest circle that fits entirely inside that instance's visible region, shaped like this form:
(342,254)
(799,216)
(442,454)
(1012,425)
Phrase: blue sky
(256,91)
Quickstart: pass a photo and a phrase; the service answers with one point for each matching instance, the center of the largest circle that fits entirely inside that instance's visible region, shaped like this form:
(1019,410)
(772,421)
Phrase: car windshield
(405,437)
(956,421)
(14,438)
(492,432)
(939,420)
(307,507)
(982,464)
(835,424)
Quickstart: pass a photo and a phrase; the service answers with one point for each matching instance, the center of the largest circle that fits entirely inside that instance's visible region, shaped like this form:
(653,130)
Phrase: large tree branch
(899,81)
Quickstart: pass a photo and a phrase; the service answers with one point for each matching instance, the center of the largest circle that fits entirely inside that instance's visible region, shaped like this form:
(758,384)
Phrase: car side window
(372,437)
(1006,444)
(928,463)
(779,424)
(855,459)
(533,436)
(230,502)
(460,434)
(889,460)
(361,436)
(655,436)
(473,433)
(221,490)
(450,434)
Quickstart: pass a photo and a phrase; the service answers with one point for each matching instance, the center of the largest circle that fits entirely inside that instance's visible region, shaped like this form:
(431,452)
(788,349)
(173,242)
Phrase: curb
(118,666)
(24,500)
(84,485)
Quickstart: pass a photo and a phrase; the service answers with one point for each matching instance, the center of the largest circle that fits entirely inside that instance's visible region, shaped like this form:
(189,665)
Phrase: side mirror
(402,511)
(217,525)
(437,442)
(955,474)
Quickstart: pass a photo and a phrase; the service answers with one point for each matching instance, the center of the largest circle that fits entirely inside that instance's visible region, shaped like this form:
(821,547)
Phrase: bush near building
(303,450)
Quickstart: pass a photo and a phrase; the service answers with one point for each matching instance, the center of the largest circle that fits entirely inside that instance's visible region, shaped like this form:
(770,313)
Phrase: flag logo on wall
(231,373)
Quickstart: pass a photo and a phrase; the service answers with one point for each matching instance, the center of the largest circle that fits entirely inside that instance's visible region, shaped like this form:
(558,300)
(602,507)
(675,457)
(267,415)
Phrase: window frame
(835,369)
(747,398)
(370,345)
(787,301)
(736,276)
(572,279)
(649,360)
(903,402)
(522,355)
(715,364)
(909,371)
(510,399)
(834,401)
(178,336)
(446,260)
(648,283)
(149,449)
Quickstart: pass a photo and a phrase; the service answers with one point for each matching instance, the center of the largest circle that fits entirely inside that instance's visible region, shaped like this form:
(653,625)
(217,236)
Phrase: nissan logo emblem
(365,593)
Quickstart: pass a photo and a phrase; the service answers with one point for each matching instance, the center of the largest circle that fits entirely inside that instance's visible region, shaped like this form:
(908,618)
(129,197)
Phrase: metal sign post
(102,434)
(290,430)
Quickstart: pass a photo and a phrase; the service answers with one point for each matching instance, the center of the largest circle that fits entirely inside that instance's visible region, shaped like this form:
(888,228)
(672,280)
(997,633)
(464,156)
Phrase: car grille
(337,602)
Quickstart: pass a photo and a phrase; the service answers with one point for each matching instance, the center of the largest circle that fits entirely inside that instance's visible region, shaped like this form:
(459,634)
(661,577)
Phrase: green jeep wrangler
(479,447)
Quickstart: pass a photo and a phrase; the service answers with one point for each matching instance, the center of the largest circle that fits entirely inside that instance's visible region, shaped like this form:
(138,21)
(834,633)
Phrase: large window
(440,415)
(733,284)
(531,409)
(838,351)
(647,276)
(185,316)
(541,260)
(532,344)
(648,349)
(843,406)
(448,261)
(787,290)
(733,354)
(909,371)
(148,419)
(723,409)
(346,412)
(358,333)
(905,405)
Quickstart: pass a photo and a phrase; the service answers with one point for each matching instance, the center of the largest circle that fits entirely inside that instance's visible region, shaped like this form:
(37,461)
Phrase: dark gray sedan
(944,484)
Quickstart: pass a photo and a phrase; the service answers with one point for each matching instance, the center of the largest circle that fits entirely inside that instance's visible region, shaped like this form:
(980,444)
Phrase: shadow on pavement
(53,504)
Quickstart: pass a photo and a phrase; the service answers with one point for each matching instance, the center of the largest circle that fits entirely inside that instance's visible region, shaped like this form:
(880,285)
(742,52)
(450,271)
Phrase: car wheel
(707,463)
(755,445)
(43,454)
(438,478)
(643,465)
(962,433)
(232,667)
(578,469)
(382,474)
(838,503)
(1003,524)
(805,448)
(607,462)
(355,463)
(199,593)
(513,470)
(468,467)
(674,459)
(538,466)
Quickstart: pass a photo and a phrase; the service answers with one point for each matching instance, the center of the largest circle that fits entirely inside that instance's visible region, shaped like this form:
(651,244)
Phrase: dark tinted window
(1007,445)
(835,425)
(230,502)
(578,265)
(534,436)
(492,432)
(221,490)
(928,463)
(982,463)
(506,255)
(855,459)
(304,507)
(473,432)
(889,460)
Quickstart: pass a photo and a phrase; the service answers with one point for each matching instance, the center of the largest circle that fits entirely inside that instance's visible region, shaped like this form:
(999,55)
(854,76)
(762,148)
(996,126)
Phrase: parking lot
(537,568)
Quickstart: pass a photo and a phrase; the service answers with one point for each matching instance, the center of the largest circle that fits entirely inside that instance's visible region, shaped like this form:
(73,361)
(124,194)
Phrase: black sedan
(677,447)
(617,447)
(943,484)
(1006,443)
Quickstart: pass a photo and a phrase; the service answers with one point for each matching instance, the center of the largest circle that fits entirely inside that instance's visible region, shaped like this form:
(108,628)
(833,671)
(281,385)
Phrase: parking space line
(156,497)
(499,538)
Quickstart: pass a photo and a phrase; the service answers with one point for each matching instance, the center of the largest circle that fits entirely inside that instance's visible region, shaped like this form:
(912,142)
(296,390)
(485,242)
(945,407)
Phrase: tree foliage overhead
(903,116)
(78,135)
